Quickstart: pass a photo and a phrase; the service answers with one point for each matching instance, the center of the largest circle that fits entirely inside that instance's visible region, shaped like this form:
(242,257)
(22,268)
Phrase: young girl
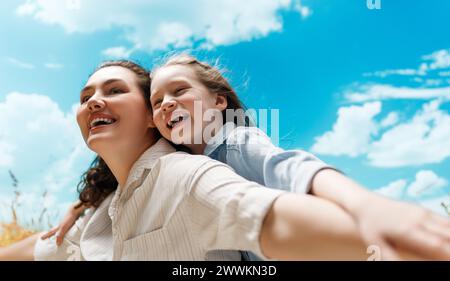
(185,91)
(153,203)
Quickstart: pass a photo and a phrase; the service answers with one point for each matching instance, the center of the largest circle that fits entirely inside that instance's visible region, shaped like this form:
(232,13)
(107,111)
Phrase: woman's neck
(120,161)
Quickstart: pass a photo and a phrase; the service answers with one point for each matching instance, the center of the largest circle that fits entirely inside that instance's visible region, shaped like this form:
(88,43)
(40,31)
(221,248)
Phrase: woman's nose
(168,105)
(95,104)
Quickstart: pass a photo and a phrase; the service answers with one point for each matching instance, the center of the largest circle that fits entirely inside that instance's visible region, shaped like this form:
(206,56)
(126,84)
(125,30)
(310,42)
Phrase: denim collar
(219,138)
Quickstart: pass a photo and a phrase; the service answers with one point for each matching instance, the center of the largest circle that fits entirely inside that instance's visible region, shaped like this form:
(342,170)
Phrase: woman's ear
(221,102)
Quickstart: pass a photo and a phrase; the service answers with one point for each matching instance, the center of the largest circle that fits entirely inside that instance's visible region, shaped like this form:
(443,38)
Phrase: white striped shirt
(174,206)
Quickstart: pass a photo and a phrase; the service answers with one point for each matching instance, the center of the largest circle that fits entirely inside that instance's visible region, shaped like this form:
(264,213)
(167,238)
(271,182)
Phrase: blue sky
(366,90)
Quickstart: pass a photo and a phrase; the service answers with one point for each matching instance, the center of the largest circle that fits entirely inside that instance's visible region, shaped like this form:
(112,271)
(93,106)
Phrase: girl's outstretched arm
(305,227)
(20,251)
(384,222)
(74,212)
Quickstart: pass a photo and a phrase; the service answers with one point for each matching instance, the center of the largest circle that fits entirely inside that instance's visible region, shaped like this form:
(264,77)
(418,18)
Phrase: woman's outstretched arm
(20,251)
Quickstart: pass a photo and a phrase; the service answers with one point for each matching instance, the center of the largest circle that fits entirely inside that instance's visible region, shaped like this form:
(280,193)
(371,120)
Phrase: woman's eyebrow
(106,83)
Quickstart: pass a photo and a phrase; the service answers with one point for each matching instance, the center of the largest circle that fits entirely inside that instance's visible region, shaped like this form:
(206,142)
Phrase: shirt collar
(148,159)
(219,138)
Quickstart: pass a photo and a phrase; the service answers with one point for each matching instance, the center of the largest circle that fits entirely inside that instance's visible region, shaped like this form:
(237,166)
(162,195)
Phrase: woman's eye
(84,99)
(115,91)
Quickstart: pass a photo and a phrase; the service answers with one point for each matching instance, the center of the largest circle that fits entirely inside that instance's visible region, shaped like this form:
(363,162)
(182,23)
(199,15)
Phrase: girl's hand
(67,222)
(393,225)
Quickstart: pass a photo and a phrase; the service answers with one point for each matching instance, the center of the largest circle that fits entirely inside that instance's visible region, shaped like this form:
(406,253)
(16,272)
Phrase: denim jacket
(250,152)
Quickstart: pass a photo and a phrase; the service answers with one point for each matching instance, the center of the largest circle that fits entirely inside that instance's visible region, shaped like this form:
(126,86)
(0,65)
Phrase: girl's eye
(180,90)
(156,103)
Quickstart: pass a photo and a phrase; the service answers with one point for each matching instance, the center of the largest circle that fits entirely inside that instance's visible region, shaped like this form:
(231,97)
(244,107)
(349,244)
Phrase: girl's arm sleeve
(251,154)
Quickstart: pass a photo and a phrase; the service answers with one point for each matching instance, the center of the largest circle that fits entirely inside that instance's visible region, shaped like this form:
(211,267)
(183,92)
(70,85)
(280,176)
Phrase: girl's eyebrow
(169,84)
(106,83)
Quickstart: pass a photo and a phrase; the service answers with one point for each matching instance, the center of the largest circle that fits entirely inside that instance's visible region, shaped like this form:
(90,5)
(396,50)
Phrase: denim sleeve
(251,154)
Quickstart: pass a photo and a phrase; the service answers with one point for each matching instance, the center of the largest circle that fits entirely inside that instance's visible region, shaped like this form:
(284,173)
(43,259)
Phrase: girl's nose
(168,106)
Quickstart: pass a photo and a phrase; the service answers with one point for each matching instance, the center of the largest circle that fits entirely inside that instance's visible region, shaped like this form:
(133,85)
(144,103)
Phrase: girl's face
(180,101)
(113,113)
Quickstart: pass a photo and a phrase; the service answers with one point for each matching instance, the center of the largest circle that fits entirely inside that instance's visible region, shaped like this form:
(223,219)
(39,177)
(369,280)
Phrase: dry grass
(14,231)
(446,207)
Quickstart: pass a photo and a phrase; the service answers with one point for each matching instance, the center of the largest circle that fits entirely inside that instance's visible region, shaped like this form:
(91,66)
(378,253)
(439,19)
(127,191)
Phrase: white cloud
(7,149)
(351,133)
(424,139)
(377,92)
(118,52)
(42,145)
(27,8)
(159,24)
(437,60)
(390,120)
(19,63)
(433,82)
(54,66)
(427,182)
(25,65)
(304,11)
(394,190)
(388,72)
(426,189)
(394,141)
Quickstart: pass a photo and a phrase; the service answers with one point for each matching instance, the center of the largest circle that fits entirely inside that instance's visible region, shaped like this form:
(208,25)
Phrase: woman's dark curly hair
(98,181)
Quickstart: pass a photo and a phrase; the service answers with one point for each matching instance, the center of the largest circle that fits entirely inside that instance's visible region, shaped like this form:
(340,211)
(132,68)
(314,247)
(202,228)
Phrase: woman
(152,202)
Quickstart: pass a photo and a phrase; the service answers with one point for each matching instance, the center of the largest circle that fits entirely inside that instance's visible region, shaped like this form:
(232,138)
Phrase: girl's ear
(221,102)
(151,123)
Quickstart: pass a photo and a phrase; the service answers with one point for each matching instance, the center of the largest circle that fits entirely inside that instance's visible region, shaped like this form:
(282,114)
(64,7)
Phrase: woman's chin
(98,142)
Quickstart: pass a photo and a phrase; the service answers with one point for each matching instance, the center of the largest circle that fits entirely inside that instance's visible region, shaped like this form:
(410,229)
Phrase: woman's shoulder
(178,162)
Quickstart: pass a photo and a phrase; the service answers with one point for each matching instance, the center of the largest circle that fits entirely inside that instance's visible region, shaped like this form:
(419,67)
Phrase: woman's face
(179,101)
(113,112)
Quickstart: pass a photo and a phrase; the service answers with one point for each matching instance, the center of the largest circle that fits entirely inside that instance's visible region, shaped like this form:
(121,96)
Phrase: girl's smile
(179,101)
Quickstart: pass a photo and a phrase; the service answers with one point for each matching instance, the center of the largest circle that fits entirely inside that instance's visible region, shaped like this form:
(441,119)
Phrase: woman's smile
(100,121)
